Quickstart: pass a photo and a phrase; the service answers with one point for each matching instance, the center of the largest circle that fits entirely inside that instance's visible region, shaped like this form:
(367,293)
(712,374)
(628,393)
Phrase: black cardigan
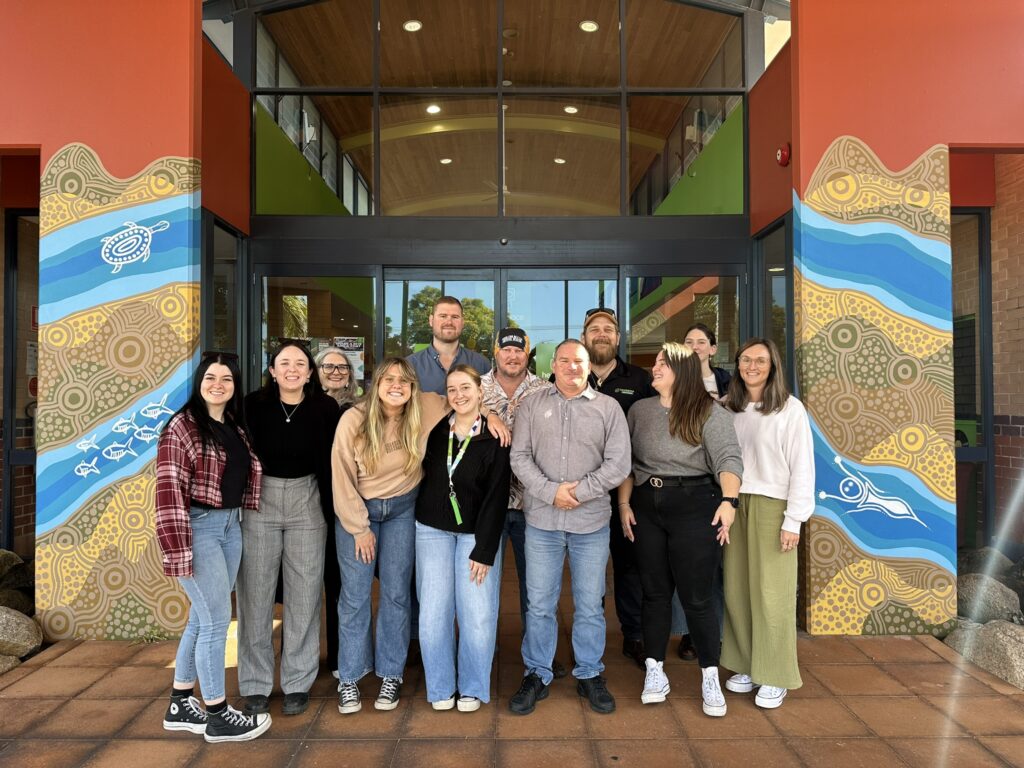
(481,484)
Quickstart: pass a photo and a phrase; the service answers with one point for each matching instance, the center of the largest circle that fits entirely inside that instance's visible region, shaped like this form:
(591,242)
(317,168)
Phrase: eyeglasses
(330,368)
(760,362)
(213,354)
(595,310)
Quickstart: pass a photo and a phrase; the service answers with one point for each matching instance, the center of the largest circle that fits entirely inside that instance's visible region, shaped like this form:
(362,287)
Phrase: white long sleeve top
(778,458)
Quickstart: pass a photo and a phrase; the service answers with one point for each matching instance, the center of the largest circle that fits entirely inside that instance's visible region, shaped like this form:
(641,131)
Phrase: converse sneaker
(184,713)
(468,703)
(231,725)
(444,704)
(740,684)
(770,697)
(387,699)
(711,690)
(349,698)
(656,686)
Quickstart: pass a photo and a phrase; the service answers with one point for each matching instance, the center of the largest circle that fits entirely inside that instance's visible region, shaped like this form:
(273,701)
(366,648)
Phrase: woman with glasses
(336,375)
(778,496)
(292,423)
(206,473)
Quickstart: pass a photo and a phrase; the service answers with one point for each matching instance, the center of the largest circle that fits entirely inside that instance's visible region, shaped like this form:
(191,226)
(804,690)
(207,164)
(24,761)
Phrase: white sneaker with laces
(656,686)
(711,690)
(444,704)
(770,697)
(740,684)
(468,703)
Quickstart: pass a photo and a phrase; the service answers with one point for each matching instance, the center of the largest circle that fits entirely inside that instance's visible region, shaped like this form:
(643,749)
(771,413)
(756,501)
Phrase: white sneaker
(711,690)
(740,684)
(444,704)
(468,703)
(770,697)
(656,685)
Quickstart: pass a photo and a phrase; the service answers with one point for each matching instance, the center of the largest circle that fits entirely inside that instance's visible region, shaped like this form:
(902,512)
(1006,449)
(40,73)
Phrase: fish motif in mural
(156,410)
(117,451)
(122,425)
(85,469)
(857,489)
(88,444)
(129,245)
(148,434)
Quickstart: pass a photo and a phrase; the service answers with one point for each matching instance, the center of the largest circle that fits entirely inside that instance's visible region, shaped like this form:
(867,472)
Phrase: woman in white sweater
(777,496)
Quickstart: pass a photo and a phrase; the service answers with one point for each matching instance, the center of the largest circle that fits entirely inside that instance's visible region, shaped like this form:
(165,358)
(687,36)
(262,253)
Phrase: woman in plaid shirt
(206,474)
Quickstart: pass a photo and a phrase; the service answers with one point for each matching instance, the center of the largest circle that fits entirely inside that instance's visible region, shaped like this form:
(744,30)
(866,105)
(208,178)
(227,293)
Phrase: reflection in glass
(225,290)
(970,504)
(776,292)
(408,304)
(967,392)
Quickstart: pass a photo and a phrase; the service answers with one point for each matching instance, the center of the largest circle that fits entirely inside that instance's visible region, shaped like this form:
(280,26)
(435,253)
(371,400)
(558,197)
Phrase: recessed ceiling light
(433,109)
(446,161)
(506,83)
(776,269)
(589,26)
(413,25)
(570,109)
(559,161)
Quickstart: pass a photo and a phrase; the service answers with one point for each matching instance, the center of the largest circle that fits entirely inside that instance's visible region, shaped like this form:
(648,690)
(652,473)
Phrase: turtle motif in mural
(130,244)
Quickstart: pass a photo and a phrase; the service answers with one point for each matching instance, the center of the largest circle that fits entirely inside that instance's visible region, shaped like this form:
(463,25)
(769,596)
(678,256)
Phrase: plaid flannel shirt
(185,473)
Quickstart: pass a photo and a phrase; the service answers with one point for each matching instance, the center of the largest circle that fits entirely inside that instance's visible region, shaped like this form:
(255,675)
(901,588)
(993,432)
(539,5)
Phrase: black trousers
(676,551)
(626,578)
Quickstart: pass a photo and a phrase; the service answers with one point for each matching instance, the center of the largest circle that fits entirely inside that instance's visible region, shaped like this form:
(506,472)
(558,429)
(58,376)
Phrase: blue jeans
(446,595)
(515,531)
(216,552)
(393,523)
(588,559)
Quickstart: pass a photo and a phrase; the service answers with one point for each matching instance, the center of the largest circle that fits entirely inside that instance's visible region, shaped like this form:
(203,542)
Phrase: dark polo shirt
(626,383)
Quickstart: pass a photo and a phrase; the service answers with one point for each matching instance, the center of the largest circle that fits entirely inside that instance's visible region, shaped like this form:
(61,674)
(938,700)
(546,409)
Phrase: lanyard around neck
(453,464)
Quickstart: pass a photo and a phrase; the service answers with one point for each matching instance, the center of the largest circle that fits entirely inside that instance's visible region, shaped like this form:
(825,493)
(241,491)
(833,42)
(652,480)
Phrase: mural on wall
(874,346)
(118,338)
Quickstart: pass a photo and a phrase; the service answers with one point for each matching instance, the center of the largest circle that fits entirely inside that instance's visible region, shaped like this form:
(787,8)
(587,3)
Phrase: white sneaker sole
(472,705)
(348,709)
(190,727)
(739,687)
(713,711)
(255,733)
(444,705)
(769,703)
(385,706)
(654,697)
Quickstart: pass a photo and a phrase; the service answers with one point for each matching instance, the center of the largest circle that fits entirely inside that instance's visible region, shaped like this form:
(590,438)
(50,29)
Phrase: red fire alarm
(782,154)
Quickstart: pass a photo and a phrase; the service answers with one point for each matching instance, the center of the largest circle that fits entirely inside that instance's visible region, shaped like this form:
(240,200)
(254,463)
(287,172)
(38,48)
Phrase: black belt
(684,480)
(206,507)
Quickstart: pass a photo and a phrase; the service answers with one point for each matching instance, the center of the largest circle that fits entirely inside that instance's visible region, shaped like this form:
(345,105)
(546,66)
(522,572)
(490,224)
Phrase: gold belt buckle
(656,482)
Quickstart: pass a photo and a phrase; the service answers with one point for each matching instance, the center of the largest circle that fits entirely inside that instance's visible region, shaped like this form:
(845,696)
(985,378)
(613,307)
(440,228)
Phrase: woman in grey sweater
(676,508)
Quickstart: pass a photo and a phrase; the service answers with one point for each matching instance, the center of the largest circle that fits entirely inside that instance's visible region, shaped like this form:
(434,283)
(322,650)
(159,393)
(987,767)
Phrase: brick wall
(1008,339)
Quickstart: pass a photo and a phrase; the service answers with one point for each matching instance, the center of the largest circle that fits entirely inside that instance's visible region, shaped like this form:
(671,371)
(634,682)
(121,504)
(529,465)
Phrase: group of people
(693,484)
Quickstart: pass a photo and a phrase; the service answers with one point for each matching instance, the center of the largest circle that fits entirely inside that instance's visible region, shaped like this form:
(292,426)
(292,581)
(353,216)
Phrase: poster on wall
(354,348)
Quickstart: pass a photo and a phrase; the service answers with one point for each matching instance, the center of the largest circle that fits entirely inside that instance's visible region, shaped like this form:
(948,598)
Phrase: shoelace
(389,688)
(233,717)
(349,693)
(712,692)
(653,679)
(191,706)
(771,692)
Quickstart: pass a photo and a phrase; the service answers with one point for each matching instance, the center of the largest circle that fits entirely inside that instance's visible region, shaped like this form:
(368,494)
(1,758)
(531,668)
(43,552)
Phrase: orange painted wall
(66,78)
(972,179)
(226,113)
(770,126)
(19,181)
(906,75)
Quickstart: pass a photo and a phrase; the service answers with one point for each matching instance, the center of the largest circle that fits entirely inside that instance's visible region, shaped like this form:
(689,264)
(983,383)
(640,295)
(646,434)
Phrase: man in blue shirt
(432,364)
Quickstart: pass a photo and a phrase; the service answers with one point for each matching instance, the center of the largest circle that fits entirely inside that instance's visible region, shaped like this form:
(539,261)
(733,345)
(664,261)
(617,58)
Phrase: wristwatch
(734,500)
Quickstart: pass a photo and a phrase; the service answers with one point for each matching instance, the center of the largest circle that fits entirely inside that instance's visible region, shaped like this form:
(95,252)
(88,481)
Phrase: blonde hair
(369,443)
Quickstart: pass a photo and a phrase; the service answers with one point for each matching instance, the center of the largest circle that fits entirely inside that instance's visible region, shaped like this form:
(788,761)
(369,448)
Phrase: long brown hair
(370,440)
(691,403)
(775,393)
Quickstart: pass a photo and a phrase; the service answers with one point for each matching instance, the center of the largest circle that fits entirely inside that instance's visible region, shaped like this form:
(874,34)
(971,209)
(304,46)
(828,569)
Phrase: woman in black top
(460,514)
(292,424)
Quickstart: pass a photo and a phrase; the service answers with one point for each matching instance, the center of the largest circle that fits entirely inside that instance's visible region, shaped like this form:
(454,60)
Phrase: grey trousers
(289,533)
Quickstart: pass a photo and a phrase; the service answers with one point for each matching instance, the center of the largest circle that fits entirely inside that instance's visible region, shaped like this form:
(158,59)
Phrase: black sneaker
(387,699)
(184,713)
(348,698)
(257,704)
(596,692)
(231,725)
(634,649)
(295,703)
(530,692)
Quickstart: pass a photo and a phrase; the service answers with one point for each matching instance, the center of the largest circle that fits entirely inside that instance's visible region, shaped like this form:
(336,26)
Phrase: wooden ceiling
(668,44)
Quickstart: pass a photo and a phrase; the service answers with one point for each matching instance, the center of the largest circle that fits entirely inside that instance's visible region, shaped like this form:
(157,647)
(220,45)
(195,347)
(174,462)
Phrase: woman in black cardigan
(460,514)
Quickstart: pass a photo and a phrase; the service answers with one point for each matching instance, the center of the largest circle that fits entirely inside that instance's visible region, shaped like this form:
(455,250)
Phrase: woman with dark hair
(292,423)
(685,487)
(701,339)
(778,496)
(206,473)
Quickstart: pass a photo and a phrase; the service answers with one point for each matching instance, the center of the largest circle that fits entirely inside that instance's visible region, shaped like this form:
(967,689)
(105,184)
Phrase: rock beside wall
(996,647)
(982,599)
(19,635)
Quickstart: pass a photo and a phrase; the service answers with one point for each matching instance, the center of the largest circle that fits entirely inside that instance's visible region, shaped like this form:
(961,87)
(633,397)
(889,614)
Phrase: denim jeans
(515,532)
(447,595)
(216,552)
(588,559)
(393,522)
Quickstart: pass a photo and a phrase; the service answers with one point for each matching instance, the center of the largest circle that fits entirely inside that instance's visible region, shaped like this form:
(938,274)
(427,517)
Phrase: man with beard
(611,375)
(432,364)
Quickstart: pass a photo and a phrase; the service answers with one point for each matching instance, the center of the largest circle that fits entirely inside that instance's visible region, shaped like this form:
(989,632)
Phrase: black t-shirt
(236,468)
(627,383)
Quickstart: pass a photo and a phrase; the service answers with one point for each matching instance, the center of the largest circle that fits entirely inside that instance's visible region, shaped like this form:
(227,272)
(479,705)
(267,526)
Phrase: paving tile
(545,754)
(982,715)
(510,677)
(743,720)
(1010,748)
(58,682)
(164,753)
(664,753)
(740,753)
(441,753)
(624,680)
(324,687)
(633,719)
(555,717)
(261,753)
(10,678)
(811,689)
(979,674)
(296,726)
(425,723)
(816,717)
(129,682)
(148,723)
(868,752)
(825,649)
(368,723)
(18,715)
(98,653)
(87,719)
(902,717)
(685,680)
(345,754)
(857,680)
(936,679)
(155,655)
(51,652)
(895,649)
(47,754)
(928,753)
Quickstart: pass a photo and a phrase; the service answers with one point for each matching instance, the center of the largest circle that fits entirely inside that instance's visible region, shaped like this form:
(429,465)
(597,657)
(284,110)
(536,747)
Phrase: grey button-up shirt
(558,440)
(433,375)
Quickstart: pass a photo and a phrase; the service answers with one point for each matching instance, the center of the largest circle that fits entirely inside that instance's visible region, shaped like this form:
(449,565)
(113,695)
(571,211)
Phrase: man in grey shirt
(570,448)
(432,364)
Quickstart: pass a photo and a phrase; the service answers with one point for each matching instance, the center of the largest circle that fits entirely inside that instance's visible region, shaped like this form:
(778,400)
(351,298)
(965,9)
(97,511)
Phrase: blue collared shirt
(433,375)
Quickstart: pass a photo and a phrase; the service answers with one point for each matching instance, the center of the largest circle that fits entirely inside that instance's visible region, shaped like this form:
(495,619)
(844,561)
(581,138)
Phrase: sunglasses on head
(214,354)
(605,310)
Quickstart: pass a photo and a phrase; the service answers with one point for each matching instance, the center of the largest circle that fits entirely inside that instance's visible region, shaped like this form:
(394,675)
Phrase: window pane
(417,135)
(330,161)
(562,163)
(266,65)
(289,107)
(970,505)
(776,294)
(675,45)
(545,48)
(311,139)
(408,304)
(225,290)
(966,344)
(348,191)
